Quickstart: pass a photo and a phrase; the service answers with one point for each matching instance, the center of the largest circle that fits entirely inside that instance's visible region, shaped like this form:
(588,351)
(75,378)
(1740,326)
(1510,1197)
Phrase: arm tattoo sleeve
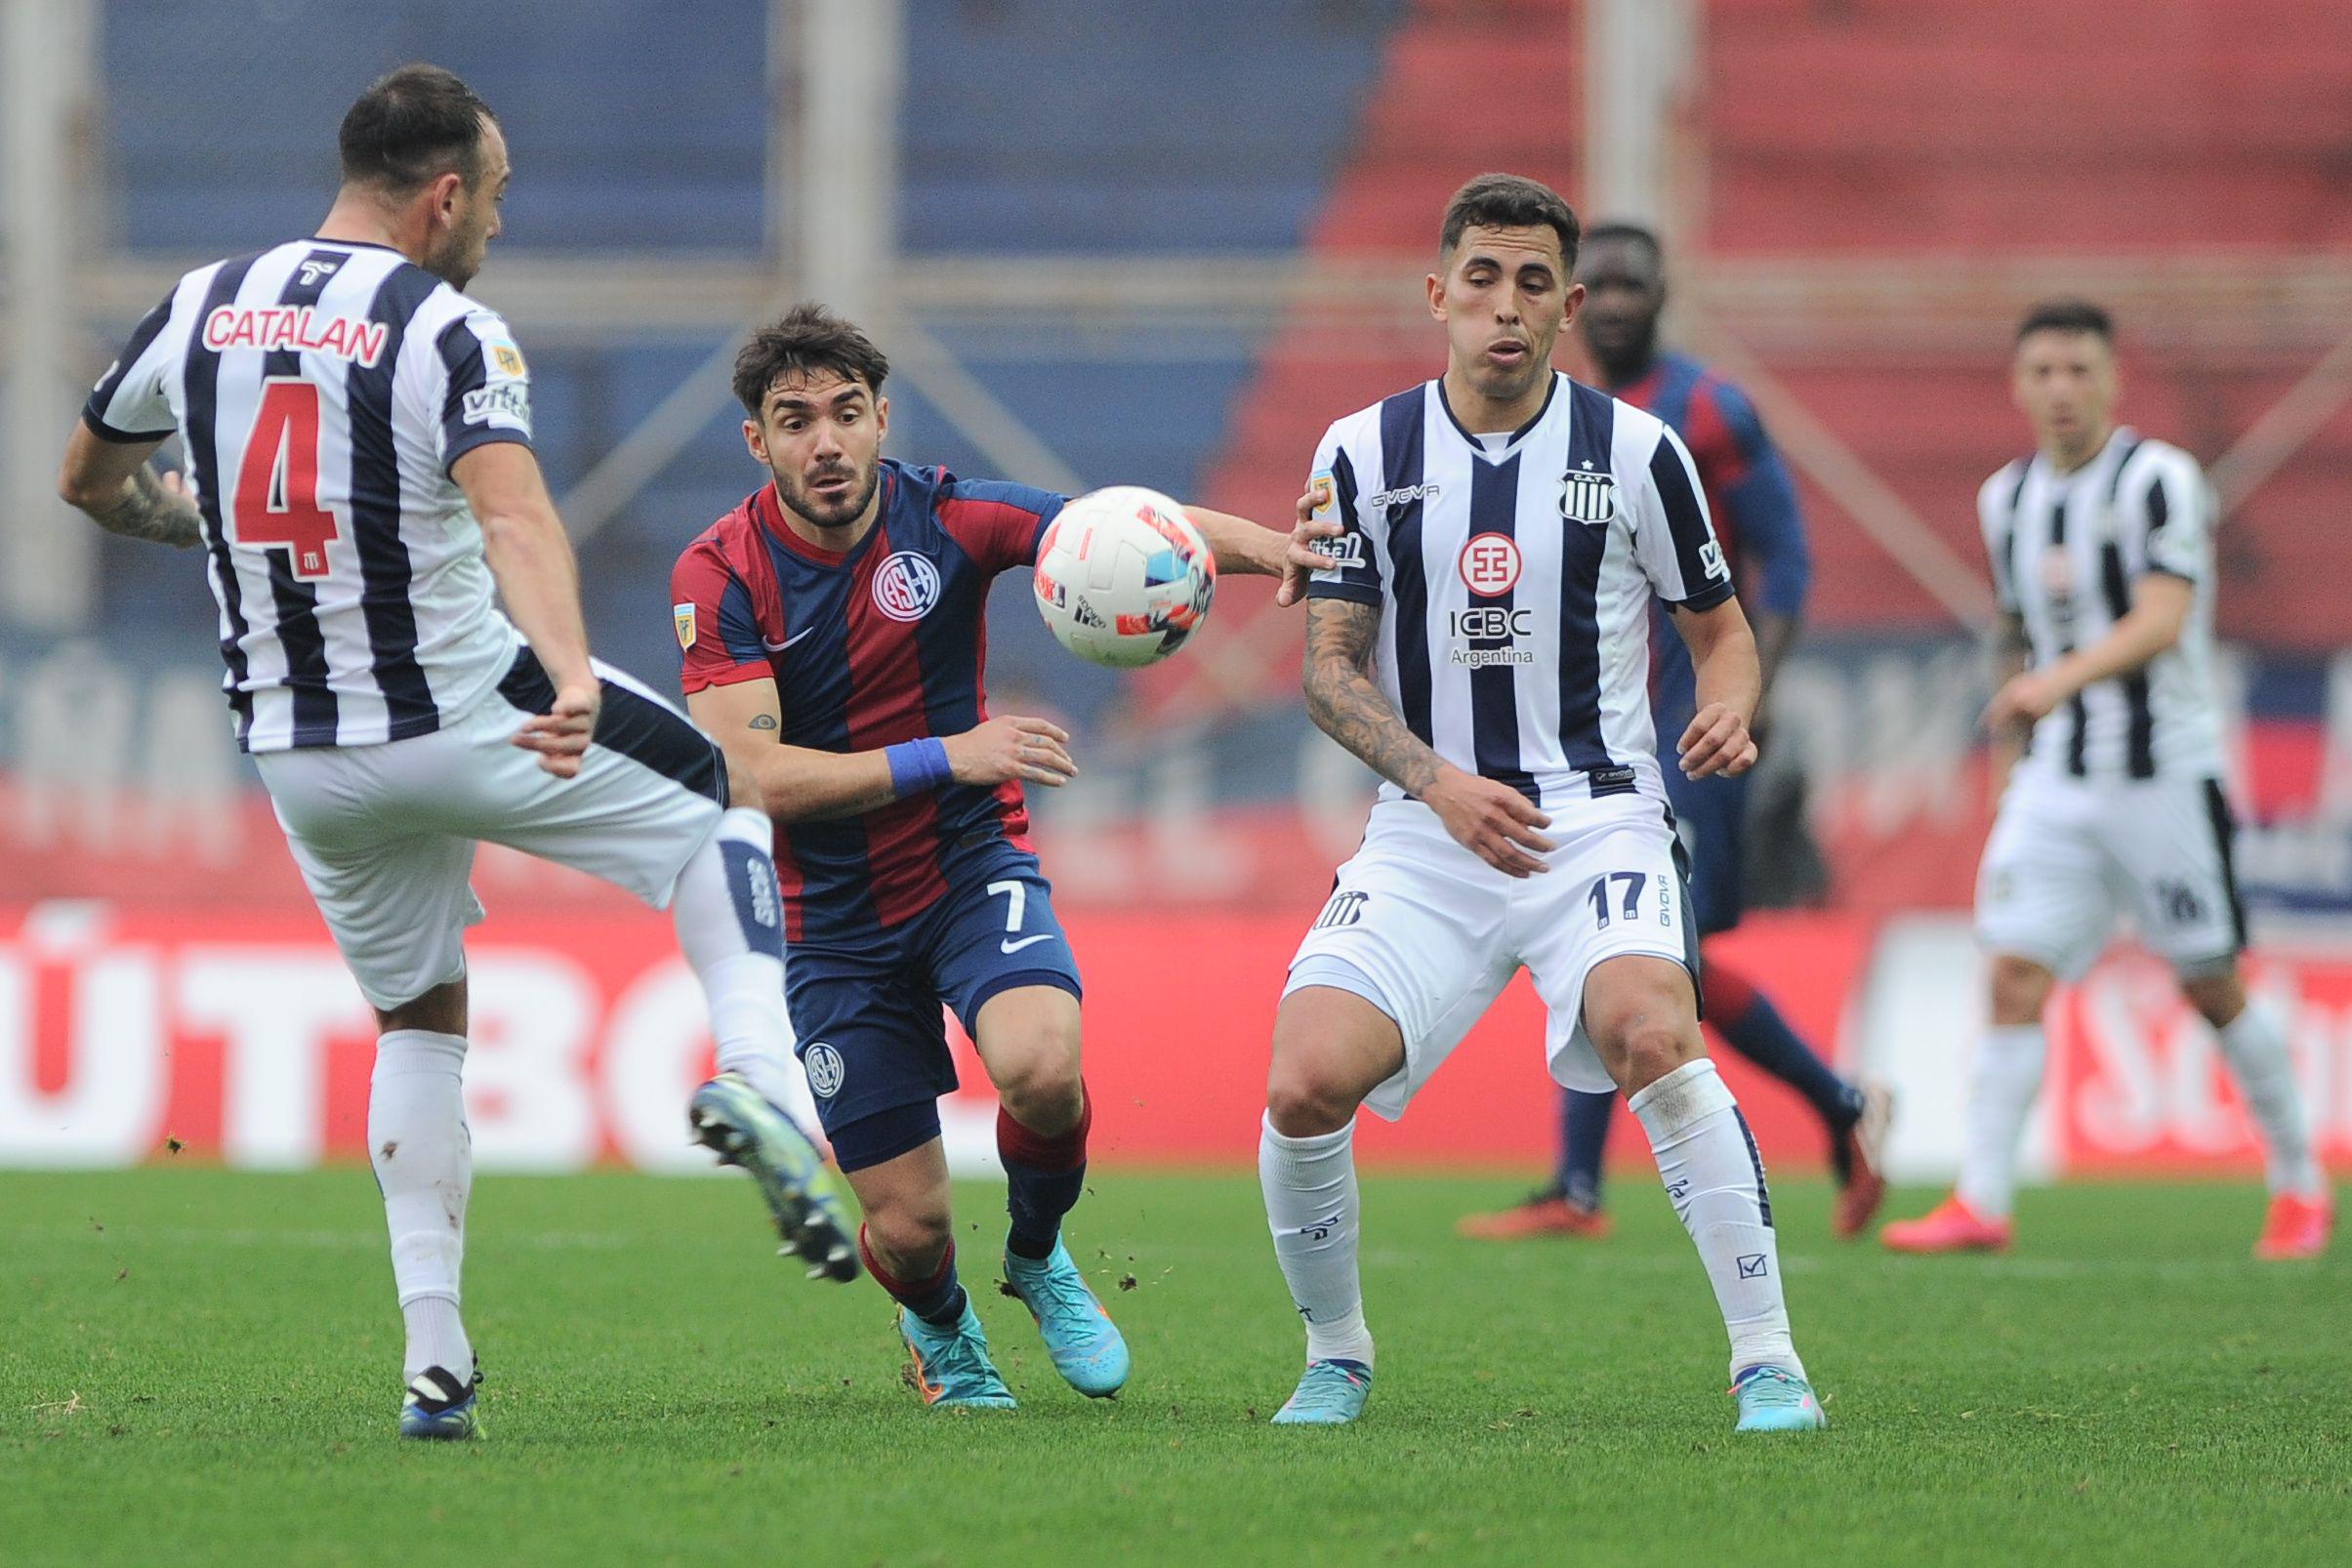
(1347,706)
(145,510)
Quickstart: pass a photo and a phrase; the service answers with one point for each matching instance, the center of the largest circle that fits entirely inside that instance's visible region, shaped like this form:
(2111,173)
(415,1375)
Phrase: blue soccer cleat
(440,1409)
(1330,1394)
(1085,1344)
(1773,1399)
(743,1128)
(950,1368)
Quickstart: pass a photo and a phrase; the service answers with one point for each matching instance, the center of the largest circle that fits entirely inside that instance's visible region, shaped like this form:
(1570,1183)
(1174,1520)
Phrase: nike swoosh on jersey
(1008,945)
(778,648)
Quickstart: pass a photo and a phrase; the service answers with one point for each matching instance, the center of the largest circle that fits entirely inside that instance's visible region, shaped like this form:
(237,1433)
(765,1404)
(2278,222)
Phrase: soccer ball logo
(906,586)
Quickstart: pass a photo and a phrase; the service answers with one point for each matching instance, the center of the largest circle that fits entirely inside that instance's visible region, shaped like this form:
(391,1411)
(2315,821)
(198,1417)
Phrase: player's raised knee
(2021,988)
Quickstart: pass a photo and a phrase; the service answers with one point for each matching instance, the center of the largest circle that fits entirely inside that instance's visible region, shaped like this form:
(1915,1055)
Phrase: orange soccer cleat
(1950,1226)
(1854,1157)
(1546,1214)
(2298,1226)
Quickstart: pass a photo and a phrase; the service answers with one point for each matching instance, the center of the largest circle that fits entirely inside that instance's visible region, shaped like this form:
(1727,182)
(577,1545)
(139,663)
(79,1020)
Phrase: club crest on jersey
(1490,565)
(684,616)
(1587,495)
(906,586)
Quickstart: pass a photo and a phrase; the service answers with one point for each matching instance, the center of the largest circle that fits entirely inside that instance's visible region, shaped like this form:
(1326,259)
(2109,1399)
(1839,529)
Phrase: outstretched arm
(114,484)
(531,560)
(1243,547)
(1490,819)
(801,784)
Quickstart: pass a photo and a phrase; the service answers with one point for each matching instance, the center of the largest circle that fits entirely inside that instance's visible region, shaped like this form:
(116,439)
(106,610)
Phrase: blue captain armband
(917,766)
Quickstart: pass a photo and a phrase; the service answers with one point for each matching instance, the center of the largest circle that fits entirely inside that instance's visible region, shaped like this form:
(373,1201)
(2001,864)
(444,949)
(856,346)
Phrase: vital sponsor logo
(1346,550)
(504,402)
(294,326)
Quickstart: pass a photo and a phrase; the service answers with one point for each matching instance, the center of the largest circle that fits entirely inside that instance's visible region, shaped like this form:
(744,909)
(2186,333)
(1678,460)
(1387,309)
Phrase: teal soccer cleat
(951,1367)
(440,1409)
(1330,1394)
(1085,1344)
(1773,1399)
(739,1124)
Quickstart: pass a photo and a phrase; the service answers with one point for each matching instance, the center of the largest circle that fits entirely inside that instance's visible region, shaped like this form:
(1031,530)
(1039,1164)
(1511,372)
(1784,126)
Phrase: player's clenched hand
(1716,744)
(1493,821)
(1035,751)
(2022,701)
(560,735)
(1307,556)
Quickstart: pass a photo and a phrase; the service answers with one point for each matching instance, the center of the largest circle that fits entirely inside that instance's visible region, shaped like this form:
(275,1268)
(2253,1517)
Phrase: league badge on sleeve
(684,616)
(1587,495)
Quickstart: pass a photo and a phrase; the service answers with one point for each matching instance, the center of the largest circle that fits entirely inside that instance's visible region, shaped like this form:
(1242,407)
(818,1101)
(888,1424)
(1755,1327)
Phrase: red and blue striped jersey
(882,642)
(1749,496)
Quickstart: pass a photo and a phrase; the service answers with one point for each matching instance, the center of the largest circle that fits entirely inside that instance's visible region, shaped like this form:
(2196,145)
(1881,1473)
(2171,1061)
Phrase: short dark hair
(1508,201)
(1627,234)
(808,338)
(2067,315)
(412,125)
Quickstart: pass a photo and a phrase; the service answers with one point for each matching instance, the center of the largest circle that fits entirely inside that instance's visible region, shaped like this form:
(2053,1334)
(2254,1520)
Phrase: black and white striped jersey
(1515,572)
(2066,550)
(322,389)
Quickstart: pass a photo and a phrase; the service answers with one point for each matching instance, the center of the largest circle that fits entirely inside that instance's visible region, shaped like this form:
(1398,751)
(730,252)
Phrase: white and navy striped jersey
(1515,572)
(322,390)
(2066,550)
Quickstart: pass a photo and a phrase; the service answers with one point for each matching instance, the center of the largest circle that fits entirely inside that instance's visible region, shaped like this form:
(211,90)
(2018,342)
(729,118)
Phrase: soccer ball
(1122,577)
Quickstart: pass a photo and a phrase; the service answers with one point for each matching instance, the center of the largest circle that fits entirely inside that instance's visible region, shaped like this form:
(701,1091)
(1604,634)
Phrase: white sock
(2255,1046)
(2008,1075)
(424,1160)
(1715,1178)
(730,926)
(1310,1193)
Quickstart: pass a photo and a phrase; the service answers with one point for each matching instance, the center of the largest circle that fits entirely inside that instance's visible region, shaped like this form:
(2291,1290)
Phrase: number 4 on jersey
(278,486)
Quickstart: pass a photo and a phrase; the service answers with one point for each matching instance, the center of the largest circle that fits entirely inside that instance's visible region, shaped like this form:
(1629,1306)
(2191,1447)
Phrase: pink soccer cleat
(1950,1226)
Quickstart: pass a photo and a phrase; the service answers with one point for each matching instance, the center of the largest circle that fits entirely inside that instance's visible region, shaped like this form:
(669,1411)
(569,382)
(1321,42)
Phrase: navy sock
(1043,1179)
(1583,1138)
(938,1300)
(1760,1034)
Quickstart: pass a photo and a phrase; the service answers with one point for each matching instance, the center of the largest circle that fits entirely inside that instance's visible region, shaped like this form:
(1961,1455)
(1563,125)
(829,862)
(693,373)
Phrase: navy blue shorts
(868,1019)
(1712,815)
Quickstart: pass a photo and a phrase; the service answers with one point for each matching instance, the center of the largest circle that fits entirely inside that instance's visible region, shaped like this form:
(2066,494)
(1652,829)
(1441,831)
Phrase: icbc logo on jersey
(1490,565)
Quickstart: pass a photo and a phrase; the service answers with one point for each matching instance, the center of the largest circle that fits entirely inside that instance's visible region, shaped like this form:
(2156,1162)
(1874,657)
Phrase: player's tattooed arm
(1492,820)
(152,507)
(1348,708)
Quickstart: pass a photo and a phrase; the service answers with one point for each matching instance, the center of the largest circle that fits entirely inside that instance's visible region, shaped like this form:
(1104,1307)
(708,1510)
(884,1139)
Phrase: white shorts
(385,834)
(1429,933)
(2068,856)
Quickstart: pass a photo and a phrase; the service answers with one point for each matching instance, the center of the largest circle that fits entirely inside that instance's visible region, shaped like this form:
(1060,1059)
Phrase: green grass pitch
(199,1366)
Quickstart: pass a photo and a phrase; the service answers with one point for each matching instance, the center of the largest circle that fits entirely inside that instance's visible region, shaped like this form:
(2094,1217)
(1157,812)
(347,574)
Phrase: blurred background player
(360,476)
(2102,555)
(833,629)
(1485,648)
(1753,507)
